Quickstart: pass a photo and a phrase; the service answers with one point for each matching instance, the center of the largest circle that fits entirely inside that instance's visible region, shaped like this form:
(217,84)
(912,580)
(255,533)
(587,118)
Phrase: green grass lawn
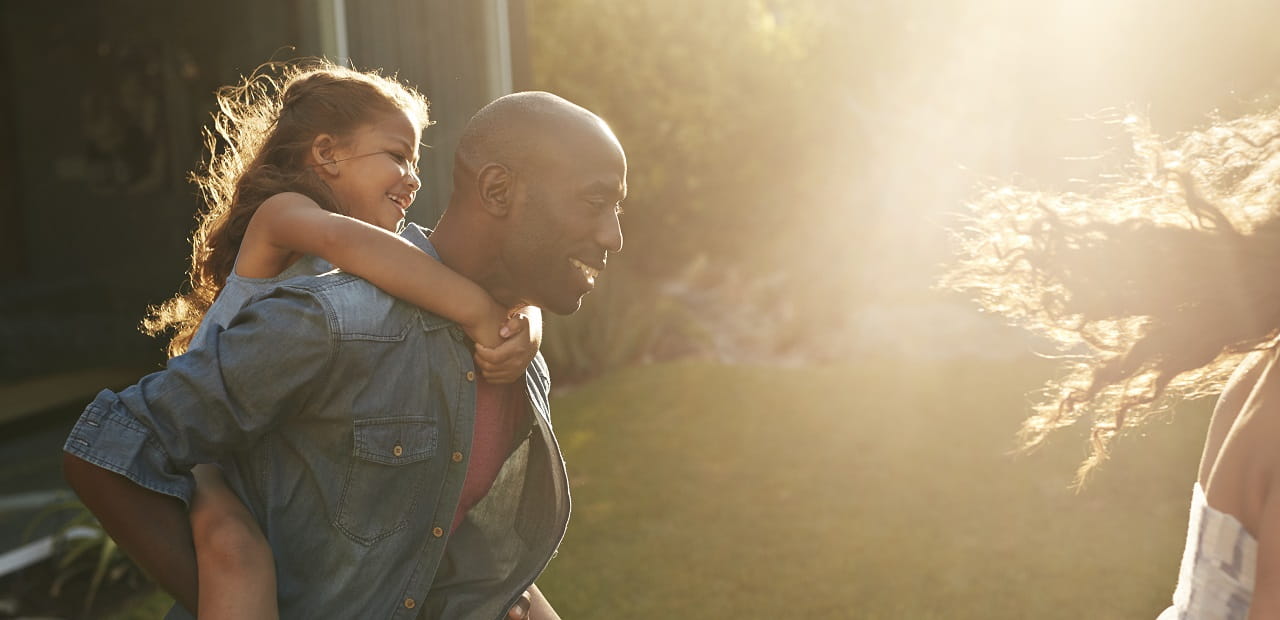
(885,491)
(881,491)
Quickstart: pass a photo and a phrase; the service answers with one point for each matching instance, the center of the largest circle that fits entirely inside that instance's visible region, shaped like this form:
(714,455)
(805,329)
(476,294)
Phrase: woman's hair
(257,147)
(1151,286)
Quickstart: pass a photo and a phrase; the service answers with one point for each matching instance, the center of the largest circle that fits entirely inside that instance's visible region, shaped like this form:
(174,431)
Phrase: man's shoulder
(355,307)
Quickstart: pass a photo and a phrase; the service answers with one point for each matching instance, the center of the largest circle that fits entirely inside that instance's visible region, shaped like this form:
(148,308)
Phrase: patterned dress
(1218,565)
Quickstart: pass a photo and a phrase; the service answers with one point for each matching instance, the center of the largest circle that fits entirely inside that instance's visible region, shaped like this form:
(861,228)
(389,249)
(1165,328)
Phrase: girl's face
(374,173)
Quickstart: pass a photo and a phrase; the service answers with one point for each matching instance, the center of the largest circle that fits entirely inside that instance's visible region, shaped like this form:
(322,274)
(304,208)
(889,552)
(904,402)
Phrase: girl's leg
(237,572)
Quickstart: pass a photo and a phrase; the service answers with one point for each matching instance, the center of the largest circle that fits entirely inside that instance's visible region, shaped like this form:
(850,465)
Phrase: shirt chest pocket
(383,485)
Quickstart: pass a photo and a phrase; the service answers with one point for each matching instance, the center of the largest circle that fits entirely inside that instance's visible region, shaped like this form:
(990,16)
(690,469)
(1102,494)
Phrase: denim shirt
(343,419)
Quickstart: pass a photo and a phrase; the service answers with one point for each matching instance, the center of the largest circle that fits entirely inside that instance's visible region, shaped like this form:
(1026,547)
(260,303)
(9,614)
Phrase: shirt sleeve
(229,390)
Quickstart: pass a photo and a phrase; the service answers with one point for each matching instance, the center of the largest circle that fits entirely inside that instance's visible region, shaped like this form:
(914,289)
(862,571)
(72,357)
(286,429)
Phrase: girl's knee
(229,541)
(236,568)
(219,518)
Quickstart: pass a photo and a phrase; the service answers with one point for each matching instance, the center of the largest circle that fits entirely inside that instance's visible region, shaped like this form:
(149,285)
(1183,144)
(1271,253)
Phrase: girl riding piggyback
(310,166)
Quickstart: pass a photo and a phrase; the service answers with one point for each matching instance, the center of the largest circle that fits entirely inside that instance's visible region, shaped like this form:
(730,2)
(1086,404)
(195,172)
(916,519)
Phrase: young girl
(308,162)
(1162,285)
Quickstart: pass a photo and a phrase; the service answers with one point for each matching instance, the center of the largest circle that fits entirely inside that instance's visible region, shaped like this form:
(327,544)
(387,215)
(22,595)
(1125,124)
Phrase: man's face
(566,220)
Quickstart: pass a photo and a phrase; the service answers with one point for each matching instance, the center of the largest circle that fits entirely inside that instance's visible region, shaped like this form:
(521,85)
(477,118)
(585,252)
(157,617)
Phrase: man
(345,418)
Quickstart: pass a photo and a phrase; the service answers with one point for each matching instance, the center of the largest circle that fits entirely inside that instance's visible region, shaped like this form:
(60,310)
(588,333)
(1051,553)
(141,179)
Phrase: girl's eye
(403,160)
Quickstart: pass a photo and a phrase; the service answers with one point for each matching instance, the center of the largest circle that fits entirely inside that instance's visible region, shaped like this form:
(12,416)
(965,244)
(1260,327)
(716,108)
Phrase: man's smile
(588,272)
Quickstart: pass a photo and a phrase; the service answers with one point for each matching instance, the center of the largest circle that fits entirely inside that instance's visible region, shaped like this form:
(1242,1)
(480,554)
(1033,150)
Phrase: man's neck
(473,254)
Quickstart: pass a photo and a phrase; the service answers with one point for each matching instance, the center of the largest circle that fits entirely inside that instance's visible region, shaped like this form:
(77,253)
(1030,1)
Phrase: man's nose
(609,236)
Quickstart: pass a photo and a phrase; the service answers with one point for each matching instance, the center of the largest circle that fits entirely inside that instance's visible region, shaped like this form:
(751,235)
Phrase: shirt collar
(417,235)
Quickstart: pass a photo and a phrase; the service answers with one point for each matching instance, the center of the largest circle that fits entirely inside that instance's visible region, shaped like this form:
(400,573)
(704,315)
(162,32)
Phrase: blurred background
(767,408)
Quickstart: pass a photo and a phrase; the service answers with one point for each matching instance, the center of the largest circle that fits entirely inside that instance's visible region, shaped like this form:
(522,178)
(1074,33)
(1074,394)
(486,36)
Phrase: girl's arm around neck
(1263,411)
(290,225)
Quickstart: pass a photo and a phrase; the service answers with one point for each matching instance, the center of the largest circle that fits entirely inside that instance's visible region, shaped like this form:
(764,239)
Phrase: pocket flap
(395,441)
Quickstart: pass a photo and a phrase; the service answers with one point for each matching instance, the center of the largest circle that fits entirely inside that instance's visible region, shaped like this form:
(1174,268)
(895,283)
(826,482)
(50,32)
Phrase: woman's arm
(290,224)
(1266,590)
(540,609)
(1263,415)
(532,605)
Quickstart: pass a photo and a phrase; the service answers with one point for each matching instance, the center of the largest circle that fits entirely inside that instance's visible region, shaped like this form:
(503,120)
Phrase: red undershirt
(500,412)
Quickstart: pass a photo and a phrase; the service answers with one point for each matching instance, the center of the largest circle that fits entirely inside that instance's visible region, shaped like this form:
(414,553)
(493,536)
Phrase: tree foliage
(714,103)
(824,145)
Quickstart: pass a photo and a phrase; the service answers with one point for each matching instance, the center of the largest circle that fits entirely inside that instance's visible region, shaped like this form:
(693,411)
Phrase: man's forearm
(153,528)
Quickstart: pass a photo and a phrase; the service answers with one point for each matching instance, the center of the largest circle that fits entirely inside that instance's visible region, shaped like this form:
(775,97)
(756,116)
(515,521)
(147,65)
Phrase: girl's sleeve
(220,396)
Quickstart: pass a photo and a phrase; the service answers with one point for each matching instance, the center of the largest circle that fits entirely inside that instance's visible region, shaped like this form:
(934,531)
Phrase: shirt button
(410,603)
(457,457)
(437,532)
(471,375)
(398,450)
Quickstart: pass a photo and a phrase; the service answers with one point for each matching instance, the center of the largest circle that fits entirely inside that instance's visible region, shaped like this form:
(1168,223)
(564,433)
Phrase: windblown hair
(1152,286)
(256,147)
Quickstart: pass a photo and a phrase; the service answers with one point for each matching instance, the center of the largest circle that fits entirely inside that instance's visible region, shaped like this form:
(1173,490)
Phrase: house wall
(446,49)
(102,113)
(100,116)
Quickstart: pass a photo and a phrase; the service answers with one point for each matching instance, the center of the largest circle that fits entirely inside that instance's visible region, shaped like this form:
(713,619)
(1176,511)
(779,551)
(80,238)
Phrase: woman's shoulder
(1240,453)
(1233,395)
(1256,389)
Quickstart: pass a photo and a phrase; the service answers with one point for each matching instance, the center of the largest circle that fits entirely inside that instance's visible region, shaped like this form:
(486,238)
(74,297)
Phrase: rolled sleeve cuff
(110,438)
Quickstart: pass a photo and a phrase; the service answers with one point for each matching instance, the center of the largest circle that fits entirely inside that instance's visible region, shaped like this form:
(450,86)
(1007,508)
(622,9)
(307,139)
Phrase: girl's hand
(507,362)
(485,327)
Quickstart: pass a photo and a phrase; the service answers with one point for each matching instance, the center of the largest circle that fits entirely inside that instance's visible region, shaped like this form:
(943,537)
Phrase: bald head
(521,130)
(537,183)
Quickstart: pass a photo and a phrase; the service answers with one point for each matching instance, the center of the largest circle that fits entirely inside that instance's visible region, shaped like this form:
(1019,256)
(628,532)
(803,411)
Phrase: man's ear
(495,184)
(323,154)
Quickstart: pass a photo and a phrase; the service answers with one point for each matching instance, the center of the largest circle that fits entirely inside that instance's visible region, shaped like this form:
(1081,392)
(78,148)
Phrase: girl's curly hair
(256,147)
(1152,286)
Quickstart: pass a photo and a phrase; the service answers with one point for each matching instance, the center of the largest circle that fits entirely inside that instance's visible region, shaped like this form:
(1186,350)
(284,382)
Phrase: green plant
(82,546)
(878,490)
(624,321)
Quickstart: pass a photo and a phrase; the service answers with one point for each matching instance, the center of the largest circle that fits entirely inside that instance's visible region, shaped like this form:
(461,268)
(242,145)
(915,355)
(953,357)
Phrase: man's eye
(601,205)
